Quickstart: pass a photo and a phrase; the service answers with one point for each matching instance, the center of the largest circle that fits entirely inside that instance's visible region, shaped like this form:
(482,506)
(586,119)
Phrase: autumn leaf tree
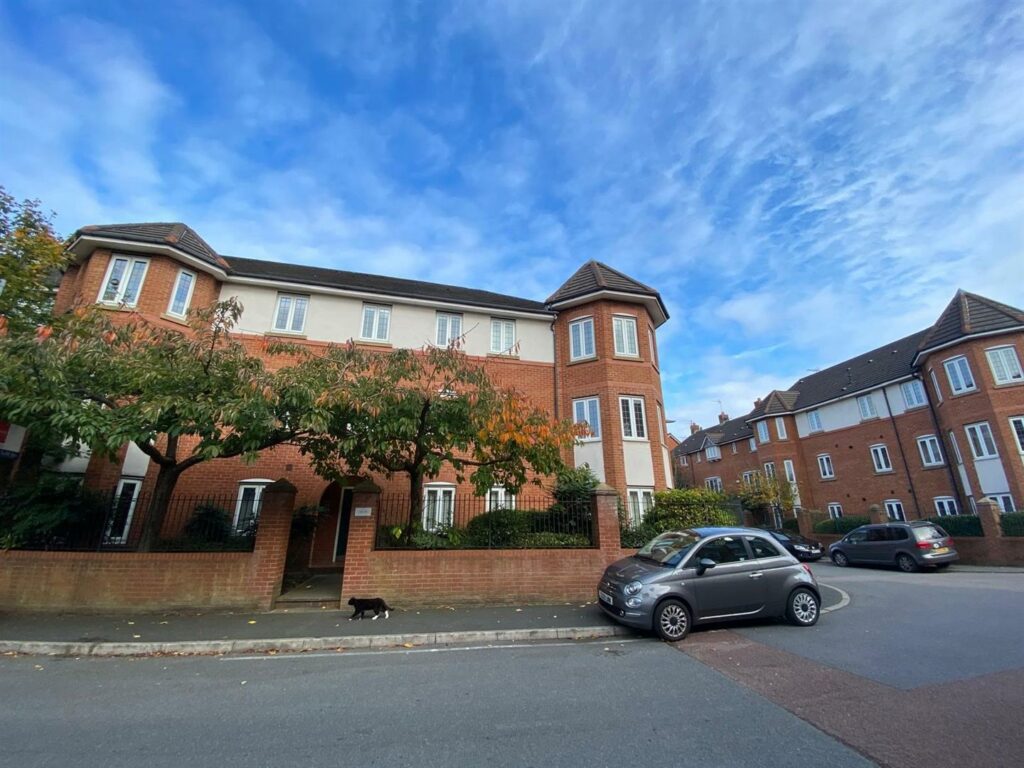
(413,412)
(183,397)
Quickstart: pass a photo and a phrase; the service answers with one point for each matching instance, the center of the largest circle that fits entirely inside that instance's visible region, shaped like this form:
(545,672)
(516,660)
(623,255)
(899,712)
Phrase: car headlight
(802,547)
(633,588)
(634,602)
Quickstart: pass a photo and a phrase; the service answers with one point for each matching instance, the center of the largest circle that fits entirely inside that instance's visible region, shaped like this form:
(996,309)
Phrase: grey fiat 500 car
(682,578)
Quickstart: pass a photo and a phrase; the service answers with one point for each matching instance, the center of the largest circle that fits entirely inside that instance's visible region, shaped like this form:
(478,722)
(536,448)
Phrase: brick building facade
(926,425)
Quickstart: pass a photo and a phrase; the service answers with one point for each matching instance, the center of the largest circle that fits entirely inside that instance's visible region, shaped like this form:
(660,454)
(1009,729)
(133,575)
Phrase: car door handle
(756,575)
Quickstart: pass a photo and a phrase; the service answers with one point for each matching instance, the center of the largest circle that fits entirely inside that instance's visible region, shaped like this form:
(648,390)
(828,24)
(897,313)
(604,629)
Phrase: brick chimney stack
(723,417)
(757,403)
(694,427)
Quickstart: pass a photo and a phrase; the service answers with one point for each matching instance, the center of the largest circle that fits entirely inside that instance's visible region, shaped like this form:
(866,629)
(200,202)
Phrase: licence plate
(940,551)
(605,598)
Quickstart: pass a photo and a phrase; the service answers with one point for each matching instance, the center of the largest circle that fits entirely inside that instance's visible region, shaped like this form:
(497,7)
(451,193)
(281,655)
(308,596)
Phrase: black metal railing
(446,521)
(114,520)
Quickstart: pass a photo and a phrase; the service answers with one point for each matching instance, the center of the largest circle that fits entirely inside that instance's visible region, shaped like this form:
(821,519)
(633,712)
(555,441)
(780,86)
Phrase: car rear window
(762,548)
(928,532)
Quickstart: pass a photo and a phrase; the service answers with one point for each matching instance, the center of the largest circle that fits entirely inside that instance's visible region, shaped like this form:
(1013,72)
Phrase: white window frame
(448,328)
(976,434)
(714,484)
(684,461)
(630,431)
(956,448)
(1004,501)
(256,484)
(825,467)
(1017,428)
(654,346)
(1005,357)
(935,384)
(582,352)
(945,506)
(188,294)
(753,445)
(878,451)
(735,448)
(118,298)
(814,421)
(661,426)
(914,395)
(894,510)
(789,470)
(132,504)
(380,319)
(506,336)
(639,501)
(583,410)
(713,453)
(750,477)
(499,498)
(447,517)
(769,470)
(762,432)
(931,451)
(780,427)
(958,369)
(625,326)
(868,412)
(293,300)
(835,510)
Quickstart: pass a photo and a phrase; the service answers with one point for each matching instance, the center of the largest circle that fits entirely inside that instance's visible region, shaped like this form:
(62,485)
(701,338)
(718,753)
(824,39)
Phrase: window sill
(869,418)
(636,439)
(910,408)
(965,393)
(828,479)
(884,472)
(631,358)
(117,307)
(932,466)
(588,440)
(285,335)
(1008,384)
(502,356)
(174,319)
(579,360)
(375,343)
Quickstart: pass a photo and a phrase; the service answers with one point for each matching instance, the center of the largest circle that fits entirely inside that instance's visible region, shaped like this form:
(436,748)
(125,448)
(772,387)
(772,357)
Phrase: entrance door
(341,535)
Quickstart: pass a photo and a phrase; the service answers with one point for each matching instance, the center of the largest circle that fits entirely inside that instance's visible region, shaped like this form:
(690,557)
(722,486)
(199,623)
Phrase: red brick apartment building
(588,353)
(922,426)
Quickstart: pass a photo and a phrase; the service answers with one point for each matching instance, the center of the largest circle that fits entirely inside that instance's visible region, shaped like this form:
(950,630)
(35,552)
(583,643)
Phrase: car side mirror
(704,564)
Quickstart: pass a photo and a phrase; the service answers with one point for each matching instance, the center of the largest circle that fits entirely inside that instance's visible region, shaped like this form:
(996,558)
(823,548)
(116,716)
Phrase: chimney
(723,417)
(757,403)
(694,427)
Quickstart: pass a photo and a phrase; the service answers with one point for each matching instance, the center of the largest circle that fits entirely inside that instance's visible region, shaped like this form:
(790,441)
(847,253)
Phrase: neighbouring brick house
(922,426)
(587,353)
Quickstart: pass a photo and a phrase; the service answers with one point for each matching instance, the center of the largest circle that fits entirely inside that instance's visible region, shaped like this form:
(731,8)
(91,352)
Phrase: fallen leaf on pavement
(408,645)
(252,621)
(136,636)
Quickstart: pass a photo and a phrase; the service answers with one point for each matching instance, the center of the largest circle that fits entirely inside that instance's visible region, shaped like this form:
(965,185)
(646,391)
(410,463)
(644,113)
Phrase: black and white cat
(362,605)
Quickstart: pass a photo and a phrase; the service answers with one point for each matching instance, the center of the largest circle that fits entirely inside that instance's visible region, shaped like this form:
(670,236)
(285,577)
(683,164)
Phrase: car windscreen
(669,548)
(928,532)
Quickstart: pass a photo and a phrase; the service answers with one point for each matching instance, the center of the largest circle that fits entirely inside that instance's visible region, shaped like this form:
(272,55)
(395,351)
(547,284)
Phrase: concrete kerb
(300,644)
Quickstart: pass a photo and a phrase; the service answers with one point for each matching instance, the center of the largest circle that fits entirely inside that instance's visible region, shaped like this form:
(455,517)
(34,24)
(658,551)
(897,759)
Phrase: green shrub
(550,539)
(50,512)
(636,537)
(574,486)
(689,508)
(841,526)
(498,528)
(1012,523)
(959,525)
(209,523)
(791,524)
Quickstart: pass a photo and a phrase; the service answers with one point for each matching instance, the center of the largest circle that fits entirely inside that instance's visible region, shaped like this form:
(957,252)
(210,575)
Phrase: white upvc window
(290,316)
(752,443)
(762,431)
(684,461)
(789,470)
(123,281)
(956,448)
(247,505)
(376,322)
(780,427)
(946,506)
(640,501)
(1017,427)
(894,508)
(825,467)
(661,426)
(769,470)
(935,384)
(449,328)
(866,404)
(958,371)
(880,458)
(1004,501)
(1004,364)
(624,333)
(750,477)
(181,294)
(654,346)
(634,423)
(713,453)
(983,445)
(499,498)
(735,449)
(438,506)
(913,394)
(581,339)
(126,498)
(835,510)
(931,452)
(714,484)
(588,411)
(814,420)
(503,336)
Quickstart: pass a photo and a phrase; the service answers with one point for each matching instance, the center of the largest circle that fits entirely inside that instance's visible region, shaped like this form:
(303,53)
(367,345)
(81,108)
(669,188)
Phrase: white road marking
(843,602)
(438,649)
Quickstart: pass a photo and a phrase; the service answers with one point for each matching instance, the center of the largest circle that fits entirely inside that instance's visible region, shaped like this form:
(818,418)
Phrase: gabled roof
(778,401)
(720,434)
(595,277)
(174,233)
(378,284)
(968,314)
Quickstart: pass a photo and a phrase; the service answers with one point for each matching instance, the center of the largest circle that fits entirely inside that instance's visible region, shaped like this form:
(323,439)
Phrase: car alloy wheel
(803,608)
(672,621)
(906,563)
(840,559)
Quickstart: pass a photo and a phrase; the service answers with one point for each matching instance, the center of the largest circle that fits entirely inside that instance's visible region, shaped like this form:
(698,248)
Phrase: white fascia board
(962,339)
(115,245)
(650,302)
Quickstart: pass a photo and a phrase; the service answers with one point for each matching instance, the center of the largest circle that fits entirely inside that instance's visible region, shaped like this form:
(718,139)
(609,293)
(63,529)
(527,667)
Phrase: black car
(799,546)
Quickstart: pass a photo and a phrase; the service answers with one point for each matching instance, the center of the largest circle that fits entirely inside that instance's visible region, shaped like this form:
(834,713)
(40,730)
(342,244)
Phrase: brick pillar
(990,516)
(271,547)
(362,530)
(605,504)
(806,522)
(877,514)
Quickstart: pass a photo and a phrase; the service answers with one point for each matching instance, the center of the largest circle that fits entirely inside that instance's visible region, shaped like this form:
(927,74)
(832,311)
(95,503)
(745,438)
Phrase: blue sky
(802,181)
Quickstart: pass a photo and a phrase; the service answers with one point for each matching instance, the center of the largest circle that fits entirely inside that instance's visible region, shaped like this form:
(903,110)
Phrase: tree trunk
(415,504)
(166,479)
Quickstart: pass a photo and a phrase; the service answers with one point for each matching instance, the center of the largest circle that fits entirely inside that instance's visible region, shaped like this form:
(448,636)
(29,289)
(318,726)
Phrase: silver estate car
(682,578)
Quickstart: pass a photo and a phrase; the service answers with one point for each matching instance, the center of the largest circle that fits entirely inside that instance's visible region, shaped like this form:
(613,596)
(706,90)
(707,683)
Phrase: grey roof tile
(595,276)
(172,233)
(969,313)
